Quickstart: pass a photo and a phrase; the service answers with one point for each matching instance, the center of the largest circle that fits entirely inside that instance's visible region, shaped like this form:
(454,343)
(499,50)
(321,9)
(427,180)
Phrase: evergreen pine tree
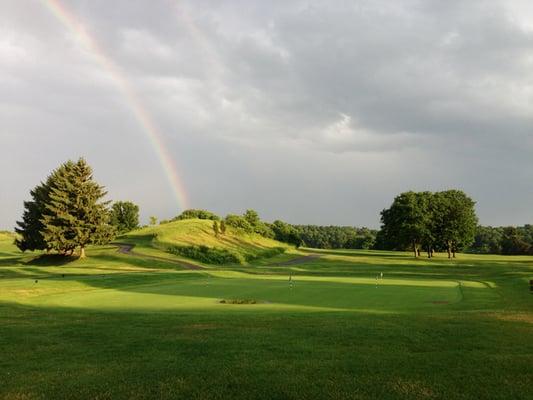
(75,216)
(223,227)
(30,228)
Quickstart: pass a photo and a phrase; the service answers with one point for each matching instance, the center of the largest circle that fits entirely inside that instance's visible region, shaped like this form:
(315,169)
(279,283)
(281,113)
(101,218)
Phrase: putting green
(204,291)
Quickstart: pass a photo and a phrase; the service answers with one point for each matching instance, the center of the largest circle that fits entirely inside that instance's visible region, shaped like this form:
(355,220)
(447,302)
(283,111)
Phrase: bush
(208,255)
(197,214)
(267,253)
(264,230)
(238,222)
(213,255)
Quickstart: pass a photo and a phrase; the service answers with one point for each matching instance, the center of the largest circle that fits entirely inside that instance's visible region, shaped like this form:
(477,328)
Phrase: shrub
(197,214)
(264,230)
(267,253)
(238,222)
(218,256)
(208,255)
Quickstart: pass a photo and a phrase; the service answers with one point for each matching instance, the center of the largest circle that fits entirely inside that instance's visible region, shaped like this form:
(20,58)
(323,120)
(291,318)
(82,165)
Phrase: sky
(313,112)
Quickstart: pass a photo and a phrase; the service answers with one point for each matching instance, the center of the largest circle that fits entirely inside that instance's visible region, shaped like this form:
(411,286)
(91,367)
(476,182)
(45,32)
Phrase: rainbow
(72,23)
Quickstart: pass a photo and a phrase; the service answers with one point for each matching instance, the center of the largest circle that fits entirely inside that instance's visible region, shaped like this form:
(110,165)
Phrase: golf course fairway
(142,324)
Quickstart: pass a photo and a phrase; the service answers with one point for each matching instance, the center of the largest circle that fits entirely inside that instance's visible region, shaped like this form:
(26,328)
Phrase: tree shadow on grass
(140,261)
(9,254)
(11,261)
(51,260)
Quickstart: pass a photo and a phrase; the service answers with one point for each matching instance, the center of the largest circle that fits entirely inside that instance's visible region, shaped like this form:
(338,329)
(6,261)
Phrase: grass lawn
(139,326)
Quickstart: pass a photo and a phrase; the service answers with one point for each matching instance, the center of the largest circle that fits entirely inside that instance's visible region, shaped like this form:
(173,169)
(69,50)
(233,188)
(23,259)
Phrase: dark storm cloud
(312,111)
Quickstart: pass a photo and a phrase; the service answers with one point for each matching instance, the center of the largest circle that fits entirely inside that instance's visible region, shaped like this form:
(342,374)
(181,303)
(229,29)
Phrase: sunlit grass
(143,326)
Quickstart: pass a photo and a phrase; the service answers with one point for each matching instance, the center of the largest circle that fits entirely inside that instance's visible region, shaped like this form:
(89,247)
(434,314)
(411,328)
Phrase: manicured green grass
(118,326)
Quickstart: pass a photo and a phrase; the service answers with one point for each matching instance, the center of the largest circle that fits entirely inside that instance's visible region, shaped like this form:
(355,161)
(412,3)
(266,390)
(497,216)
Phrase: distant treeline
(320,237)
(336,237)
(503,240)
(486,239)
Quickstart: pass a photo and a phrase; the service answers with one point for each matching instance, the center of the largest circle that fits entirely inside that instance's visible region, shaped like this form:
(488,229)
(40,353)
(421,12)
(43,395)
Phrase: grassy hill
(6,236)
(7,248)
(193,238)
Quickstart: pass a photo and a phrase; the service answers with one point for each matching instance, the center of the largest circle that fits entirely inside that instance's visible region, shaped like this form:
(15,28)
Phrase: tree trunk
(449,247)
(430,252)
(454,249)
(82,252)
(415,249)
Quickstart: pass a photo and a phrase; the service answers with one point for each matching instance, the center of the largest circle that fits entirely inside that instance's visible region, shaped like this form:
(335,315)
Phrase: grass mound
(195,239)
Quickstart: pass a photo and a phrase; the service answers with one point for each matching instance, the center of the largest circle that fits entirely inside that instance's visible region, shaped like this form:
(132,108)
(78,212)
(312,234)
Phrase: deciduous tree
(124,216)
(407,222)
(455,220)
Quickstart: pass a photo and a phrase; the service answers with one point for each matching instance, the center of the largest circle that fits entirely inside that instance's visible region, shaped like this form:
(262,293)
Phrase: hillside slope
(7,246)
(193,237)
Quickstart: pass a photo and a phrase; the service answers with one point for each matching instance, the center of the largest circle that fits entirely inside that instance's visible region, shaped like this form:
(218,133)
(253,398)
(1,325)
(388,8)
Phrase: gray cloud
(312,111)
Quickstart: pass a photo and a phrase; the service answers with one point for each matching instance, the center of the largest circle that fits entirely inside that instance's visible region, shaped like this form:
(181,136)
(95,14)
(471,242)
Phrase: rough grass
(118,326)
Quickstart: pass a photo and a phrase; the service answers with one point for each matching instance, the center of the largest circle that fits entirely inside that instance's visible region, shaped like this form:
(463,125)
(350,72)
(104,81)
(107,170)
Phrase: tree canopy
(407,222)
(197,214)
(124,216)
(442,220)
(335,237)
(238,222)
(287,233)
(455,220)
